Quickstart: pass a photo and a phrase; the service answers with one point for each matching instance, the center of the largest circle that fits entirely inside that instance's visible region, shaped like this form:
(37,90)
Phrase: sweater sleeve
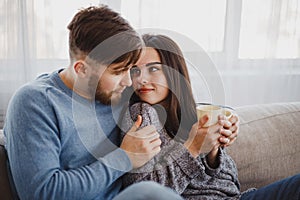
(226,170)
(173,166)
(35,148)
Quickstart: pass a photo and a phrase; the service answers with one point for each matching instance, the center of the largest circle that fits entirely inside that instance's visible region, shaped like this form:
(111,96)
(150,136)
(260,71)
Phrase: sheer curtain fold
(15,49)
(18,48)
(269,52)
(255,44)
(17,45)
(272,26)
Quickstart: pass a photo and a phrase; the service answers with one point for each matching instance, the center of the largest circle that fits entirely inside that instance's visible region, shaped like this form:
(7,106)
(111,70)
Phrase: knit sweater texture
(176,168)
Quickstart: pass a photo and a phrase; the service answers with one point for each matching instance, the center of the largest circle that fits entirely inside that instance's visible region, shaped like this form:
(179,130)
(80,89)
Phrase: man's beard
(106,98)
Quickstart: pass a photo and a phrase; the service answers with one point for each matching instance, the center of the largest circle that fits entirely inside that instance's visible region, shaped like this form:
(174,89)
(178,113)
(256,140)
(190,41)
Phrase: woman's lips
(145,90)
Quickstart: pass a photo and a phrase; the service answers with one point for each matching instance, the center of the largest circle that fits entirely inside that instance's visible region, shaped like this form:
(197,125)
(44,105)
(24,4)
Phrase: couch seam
(275,115)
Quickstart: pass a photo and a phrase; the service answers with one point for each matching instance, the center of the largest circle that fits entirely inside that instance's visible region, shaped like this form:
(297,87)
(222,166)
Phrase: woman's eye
(135,71)
(153,69)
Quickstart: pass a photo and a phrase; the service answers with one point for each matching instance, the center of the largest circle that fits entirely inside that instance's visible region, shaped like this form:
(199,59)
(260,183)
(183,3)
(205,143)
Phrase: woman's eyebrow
(152,63)
(148,64)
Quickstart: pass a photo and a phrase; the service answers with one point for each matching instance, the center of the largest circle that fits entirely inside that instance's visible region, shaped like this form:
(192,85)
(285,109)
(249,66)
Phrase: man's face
(111,84)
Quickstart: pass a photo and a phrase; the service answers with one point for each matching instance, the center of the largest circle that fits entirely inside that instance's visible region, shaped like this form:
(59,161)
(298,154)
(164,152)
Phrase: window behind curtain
(266,29)
(52,18)
(270,29)
(33,40)
(202,21)
(40,25)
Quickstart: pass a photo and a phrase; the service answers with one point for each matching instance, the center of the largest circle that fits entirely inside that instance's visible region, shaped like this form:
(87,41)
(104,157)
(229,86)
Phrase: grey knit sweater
(174,166)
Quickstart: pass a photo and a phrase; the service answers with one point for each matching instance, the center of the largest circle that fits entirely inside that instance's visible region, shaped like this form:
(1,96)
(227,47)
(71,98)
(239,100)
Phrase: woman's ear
(80,68)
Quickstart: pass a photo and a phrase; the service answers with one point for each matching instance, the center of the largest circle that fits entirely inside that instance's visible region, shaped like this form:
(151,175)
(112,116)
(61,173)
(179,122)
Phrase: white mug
(212,111)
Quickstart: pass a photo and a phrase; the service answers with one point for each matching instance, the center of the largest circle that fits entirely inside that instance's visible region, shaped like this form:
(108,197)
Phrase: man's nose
(126,81)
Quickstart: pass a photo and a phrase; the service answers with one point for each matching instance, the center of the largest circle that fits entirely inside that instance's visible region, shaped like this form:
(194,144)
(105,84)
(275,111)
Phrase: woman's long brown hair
(181,110)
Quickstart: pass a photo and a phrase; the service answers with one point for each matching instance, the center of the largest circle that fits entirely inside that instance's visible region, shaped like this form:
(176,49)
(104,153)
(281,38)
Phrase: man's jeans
(147,190)
(286,189)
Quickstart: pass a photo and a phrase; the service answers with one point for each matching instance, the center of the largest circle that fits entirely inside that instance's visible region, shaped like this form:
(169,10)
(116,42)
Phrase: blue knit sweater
(62,146)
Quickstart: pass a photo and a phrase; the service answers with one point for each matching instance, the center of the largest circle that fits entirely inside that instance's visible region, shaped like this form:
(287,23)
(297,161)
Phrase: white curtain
(265,63)
(14,50)
(253,44)
(33,40)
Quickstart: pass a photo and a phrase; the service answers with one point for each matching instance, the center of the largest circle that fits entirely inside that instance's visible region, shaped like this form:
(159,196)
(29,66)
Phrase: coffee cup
(212,111)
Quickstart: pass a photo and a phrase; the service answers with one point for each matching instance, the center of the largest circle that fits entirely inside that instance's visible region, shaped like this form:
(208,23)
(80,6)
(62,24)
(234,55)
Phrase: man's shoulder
(36,88)
(32,88)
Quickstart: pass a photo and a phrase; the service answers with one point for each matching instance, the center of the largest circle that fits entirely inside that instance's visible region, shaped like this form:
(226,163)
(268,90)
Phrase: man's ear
(80,68)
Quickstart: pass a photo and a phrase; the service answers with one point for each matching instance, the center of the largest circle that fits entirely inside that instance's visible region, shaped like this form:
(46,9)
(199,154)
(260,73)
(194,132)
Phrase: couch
(267,148)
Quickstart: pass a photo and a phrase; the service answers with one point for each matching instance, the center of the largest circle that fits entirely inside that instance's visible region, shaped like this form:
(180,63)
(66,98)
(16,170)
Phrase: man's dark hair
(102,35)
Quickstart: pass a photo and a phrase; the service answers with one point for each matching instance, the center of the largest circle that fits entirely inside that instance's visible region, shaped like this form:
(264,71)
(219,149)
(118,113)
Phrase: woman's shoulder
(148,112)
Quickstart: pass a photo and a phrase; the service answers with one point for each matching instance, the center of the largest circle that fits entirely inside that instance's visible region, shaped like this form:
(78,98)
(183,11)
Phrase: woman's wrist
(212,158)
(188,145)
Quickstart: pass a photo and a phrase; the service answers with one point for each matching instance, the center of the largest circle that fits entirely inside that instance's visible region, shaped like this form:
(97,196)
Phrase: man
(61,128)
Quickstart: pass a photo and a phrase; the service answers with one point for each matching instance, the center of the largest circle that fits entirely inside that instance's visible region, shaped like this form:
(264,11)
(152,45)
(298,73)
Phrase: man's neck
(68,78)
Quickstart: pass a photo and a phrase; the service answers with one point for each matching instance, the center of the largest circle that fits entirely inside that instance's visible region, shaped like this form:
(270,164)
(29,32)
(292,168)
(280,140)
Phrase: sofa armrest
(267,148)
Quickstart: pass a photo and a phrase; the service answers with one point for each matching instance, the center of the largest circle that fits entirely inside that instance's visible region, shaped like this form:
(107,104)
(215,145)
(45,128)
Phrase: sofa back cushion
(267,148)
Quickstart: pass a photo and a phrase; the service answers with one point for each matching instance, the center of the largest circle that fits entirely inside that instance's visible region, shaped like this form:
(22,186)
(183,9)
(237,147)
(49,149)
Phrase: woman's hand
(209,139)
(230,130)
(229,133)
(204,139)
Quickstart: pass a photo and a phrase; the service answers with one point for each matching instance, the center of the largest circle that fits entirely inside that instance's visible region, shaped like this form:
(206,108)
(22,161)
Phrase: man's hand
(141,145)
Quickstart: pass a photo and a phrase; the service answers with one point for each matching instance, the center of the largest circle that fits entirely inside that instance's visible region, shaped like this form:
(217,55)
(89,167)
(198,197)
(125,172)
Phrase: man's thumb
(136,124)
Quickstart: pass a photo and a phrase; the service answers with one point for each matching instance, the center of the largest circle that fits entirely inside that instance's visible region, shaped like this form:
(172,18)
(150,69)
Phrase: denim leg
(147,190)
(286,189)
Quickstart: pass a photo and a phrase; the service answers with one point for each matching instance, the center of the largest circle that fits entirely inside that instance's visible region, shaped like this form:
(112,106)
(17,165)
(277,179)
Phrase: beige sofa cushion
(267,148)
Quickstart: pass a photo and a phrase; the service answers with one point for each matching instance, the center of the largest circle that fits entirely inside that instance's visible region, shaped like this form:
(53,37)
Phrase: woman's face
(148,79)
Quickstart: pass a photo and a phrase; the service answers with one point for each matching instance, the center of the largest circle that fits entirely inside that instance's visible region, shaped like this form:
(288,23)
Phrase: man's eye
(135,71)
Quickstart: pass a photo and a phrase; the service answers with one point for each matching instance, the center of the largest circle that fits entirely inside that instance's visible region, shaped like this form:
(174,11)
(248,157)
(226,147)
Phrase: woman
(193,160)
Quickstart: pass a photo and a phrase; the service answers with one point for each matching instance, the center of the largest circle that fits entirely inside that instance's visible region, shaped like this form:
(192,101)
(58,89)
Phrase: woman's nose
(144,81)
(143,78)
